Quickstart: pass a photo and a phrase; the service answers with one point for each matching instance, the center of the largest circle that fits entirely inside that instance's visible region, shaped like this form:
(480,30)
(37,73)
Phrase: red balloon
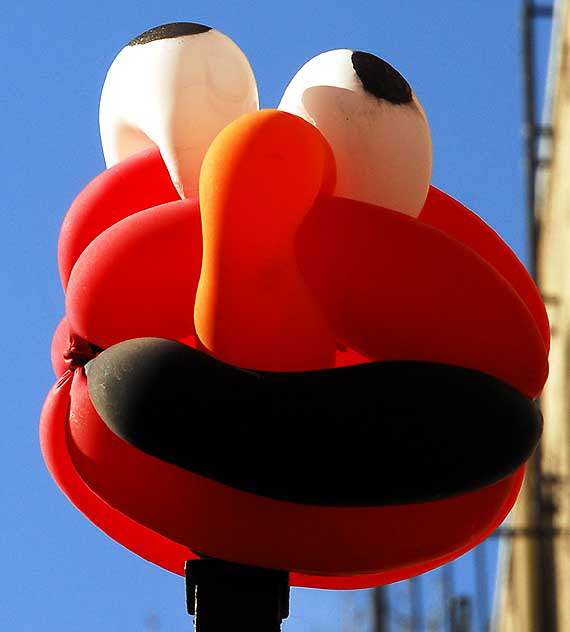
(258,179)
(138,277)
(448,215)
(138,183)
(59,345)
(394,288)
(54,432)
(188,508)
(376,284)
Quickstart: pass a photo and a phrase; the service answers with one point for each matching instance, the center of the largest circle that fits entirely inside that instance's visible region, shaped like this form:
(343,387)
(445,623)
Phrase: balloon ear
(175,86)
(374,123)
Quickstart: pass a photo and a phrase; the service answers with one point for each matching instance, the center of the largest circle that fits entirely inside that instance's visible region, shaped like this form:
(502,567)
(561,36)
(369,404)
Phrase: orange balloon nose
(260,177)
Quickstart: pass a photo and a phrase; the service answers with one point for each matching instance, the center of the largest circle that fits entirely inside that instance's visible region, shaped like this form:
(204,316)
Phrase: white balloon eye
(374,123)
(175,86)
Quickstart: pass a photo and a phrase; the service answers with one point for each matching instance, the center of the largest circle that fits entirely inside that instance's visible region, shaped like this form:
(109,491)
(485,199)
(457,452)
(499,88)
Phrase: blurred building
(534,592)
(533,584)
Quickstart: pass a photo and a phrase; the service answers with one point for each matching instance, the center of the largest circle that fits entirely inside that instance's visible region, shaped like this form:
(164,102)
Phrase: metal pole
(529,130)
(480,562)
(543,595)
(223,596)
(380,609)
(416,603)
(447,594)
(461,614)
(532,130)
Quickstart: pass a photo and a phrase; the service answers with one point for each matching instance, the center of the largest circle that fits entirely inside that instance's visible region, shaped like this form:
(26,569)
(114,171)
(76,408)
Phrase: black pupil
(168,31)
(381,79)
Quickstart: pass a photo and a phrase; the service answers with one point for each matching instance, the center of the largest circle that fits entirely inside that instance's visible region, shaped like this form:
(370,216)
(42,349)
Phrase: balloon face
(232,364)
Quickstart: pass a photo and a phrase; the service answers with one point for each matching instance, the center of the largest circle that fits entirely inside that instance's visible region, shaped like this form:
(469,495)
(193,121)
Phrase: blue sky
(462,58)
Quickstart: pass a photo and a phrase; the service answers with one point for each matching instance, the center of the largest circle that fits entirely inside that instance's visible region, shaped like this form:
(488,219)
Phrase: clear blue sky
(462,58)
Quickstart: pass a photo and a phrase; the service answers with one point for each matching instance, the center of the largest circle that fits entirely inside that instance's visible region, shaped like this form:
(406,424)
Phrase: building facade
(535,587)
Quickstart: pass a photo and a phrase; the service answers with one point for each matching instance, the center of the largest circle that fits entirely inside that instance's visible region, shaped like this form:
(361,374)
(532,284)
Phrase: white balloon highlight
(374,123)
(177,92)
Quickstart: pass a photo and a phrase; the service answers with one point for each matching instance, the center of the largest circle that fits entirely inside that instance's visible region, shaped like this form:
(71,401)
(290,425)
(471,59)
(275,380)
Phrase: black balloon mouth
(380,433)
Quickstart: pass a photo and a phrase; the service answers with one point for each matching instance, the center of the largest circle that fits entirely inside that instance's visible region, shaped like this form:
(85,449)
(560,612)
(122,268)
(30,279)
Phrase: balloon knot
(79,352)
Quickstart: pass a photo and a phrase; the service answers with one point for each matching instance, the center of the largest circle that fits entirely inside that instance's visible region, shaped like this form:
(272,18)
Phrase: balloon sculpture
(282,347)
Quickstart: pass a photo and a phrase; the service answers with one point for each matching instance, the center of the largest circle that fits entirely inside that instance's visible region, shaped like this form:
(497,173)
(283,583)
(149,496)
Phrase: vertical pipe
(482,602)
(543,584)
(380,609)
(529,129)
(447,590)
(416,604)
(225,596)
(461,614)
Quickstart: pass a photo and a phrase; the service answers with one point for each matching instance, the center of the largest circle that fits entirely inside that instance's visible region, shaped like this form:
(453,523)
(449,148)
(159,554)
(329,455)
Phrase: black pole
(224,596)
(416,604)
(380,609)
(532,129)
(544,610)
(448,591)
(529,127)
(461,614)
(482,601)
